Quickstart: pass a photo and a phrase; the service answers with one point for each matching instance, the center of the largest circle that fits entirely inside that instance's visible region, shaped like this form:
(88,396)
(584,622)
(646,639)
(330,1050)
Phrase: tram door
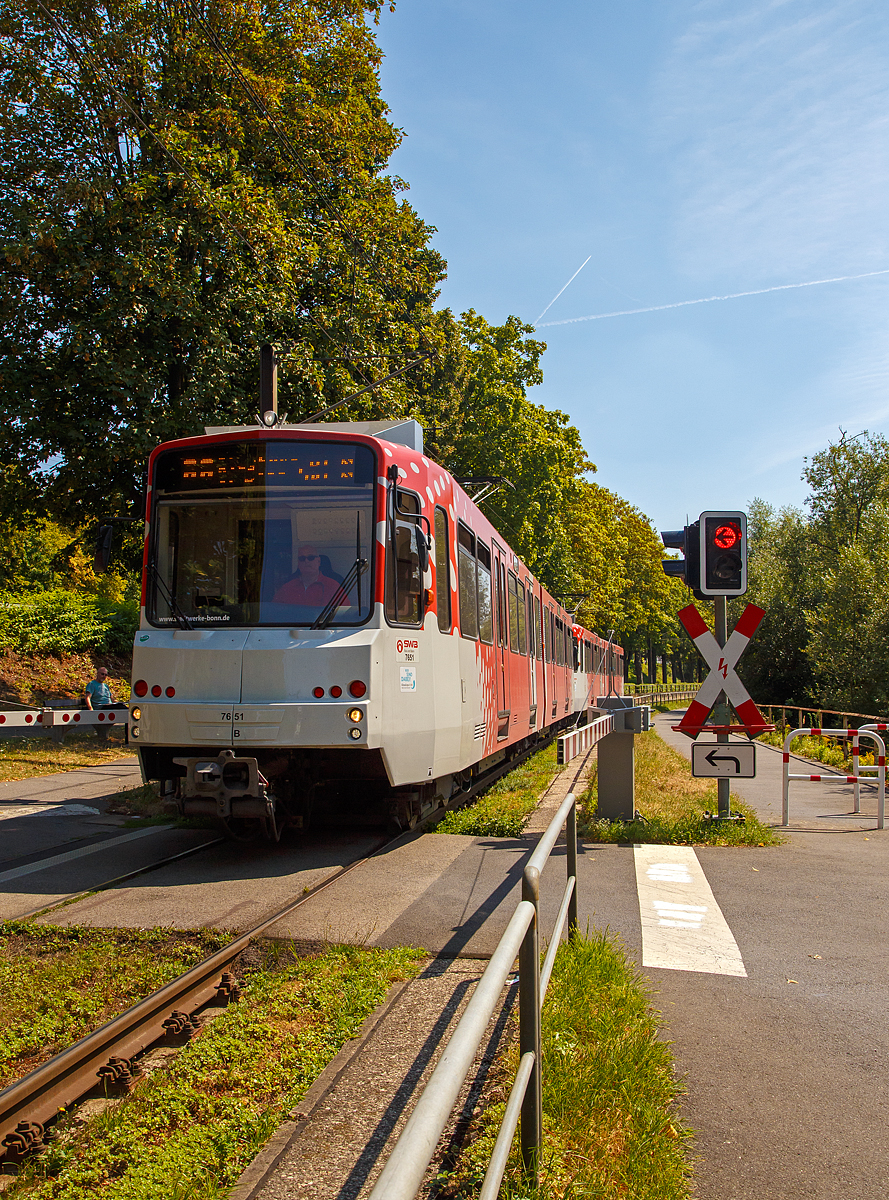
(501,645)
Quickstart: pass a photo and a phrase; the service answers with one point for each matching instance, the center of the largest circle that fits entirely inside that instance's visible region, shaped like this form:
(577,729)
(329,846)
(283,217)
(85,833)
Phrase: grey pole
(571,842)
(723,785)
(268,380)
(529,1030)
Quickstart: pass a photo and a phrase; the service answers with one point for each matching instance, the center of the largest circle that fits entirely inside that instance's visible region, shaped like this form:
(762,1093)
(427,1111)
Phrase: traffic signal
(687,540)
(723,553)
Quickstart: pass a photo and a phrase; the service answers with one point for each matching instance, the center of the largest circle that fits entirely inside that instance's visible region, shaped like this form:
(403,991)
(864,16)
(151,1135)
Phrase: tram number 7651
(235,716)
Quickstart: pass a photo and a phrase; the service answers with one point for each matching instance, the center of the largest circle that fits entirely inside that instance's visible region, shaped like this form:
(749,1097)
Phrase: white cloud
(775,116)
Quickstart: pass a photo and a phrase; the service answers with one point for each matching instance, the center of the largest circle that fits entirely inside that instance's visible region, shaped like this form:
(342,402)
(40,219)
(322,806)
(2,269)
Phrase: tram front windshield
(262,533)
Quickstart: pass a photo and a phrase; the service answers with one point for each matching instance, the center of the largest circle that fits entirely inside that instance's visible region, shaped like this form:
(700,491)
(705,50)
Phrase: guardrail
(403,1173)
(856,779)
(666,697)
(816,713)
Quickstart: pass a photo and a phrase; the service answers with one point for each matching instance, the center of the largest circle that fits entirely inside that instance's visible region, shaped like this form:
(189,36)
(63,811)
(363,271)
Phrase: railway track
(109,1053)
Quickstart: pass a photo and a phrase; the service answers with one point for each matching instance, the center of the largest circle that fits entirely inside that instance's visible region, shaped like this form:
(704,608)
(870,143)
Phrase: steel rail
(39,1095)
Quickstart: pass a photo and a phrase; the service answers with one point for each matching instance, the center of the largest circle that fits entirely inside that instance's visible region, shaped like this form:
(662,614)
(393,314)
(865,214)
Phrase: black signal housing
(723,553)
(687,540)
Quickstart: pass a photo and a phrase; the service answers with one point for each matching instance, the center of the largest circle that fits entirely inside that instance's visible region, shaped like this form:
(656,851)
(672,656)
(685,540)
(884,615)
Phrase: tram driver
(308,586)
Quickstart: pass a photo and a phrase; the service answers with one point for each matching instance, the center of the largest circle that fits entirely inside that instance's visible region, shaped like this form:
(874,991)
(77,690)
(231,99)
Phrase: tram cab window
(404,563)
(442,571)
(466,575)
(575,652)
(485,597)
(261,532)
(513,610)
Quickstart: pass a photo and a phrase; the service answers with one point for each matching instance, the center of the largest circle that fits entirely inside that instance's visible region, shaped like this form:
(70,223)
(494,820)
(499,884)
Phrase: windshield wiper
(181,619)
(359,566)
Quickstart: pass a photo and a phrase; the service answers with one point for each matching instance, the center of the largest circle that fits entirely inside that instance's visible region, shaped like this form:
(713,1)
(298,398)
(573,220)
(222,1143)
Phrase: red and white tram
(329,622)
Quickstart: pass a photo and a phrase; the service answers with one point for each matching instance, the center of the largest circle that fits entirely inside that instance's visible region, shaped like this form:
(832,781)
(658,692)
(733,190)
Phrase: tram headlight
(134,732)
(136,713)
(356,714)
(355,732)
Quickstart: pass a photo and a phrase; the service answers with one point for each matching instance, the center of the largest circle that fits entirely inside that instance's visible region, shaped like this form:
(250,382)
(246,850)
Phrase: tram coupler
(225,787)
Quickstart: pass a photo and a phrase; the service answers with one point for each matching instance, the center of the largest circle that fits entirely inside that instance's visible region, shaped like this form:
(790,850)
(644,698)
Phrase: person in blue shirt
(98,695)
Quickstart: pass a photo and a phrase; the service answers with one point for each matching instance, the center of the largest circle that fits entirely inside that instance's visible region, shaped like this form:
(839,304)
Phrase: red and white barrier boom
(722,677)
(38,719)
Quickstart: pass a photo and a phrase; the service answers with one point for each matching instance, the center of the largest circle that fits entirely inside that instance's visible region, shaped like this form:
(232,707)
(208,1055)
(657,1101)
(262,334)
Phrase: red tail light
(140,687)
(336,692)
(171,692)
(318,692)
(357,689)
(156,689)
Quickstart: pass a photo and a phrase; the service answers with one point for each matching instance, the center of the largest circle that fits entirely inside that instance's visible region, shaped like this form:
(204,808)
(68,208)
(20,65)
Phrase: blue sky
(692,150)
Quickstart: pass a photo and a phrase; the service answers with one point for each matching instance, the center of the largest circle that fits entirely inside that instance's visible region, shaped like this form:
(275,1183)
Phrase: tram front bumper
(240,726)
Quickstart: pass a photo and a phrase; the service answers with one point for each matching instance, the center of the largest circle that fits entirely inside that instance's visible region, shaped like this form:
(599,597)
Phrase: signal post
(715,566)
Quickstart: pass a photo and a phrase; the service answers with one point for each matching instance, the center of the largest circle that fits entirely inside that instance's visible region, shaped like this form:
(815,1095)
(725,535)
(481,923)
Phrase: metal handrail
(855,779)
(403,1173)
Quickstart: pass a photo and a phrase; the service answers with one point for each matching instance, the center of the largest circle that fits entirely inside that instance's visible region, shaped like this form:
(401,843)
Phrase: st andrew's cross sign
(722,677)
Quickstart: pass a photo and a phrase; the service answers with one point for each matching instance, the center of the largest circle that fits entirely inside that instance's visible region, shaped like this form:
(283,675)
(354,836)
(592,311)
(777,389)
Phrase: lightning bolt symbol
(723,667)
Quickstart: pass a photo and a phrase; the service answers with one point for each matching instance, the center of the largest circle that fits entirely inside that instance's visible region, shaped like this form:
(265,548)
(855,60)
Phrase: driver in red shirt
(308,586)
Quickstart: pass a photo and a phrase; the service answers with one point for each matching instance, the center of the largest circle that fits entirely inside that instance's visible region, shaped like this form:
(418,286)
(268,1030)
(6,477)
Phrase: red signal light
(726,536)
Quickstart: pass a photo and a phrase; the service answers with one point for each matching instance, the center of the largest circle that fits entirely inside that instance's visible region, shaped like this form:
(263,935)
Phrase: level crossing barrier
(403,1173)
(855,779)
(43,722)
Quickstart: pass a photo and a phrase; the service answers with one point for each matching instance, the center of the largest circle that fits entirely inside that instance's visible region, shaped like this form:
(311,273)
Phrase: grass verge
(22,758)
(672,804)
(187,1132)
(610,1120)
(503,810)
(57,983)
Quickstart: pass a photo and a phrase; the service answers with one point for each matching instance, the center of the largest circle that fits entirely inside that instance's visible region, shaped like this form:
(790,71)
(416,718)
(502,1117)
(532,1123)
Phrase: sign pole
(723,786)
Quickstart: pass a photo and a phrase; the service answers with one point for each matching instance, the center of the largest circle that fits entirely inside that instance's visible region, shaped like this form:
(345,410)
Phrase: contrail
(630,312)
(558,294)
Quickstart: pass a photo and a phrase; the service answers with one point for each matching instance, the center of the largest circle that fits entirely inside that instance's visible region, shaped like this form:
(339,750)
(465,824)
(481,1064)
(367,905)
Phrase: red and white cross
(722,678)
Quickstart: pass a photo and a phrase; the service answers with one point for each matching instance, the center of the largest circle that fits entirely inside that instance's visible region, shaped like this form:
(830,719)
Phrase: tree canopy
(181,182)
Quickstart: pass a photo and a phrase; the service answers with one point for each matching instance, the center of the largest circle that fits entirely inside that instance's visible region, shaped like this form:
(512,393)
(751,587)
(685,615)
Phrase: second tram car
(323,607)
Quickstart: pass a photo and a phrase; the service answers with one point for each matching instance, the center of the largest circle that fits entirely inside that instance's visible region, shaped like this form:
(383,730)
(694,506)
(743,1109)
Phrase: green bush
(65,622)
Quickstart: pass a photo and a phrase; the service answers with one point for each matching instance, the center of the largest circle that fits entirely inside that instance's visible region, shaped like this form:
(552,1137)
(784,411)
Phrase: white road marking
(683,928)
(70,855)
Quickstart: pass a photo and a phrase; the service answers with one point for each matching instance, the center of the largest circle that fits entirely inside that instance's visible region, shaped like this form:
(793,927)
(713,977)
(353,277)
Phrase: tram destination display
(235,465)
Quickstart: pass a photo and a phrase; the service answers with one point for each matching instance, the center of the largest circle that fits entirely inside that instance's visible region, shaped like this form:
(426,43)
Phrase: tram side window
(404,579)
(485,598)
(575,651)
(523,633)
(442,571)
(538,632)
(512,584)
(467,581)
